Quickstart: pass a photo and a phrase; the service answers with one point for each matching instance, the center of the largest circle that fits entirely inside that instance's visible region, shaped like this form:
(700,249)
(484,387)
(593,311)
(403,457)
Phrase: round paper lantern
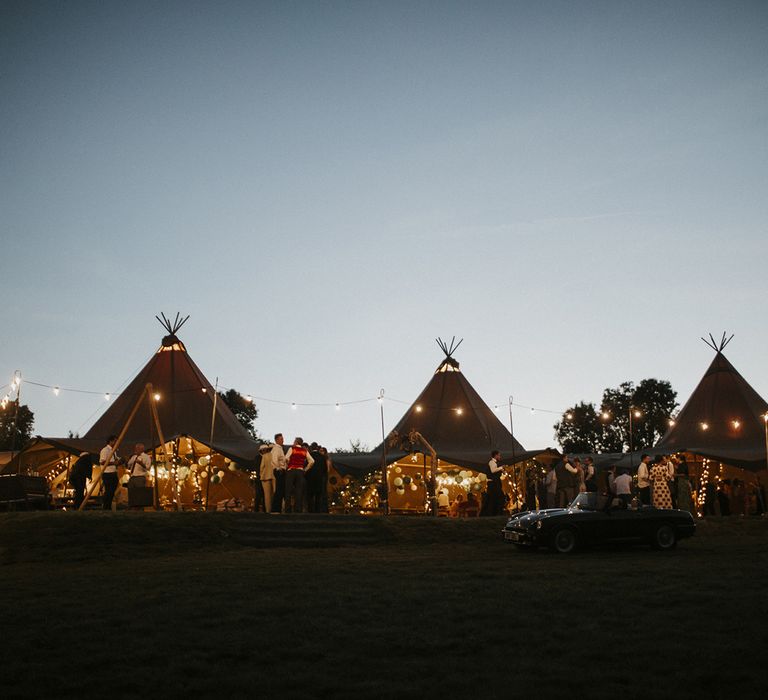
(400,490)
(406,479)
(227,460)
(202,461)
(414,487)
(482,477)
(215,479)
(233,467)
(220,474)
(476,487)
(398,482)
(398,470)
(417,476)
(203,474)
(459,479)
(183,473)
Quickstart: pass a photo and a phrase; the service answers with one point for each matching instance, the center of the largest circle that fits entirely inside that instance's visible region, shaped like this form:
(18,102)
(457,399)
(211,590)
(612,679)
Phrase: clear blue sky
(576,189)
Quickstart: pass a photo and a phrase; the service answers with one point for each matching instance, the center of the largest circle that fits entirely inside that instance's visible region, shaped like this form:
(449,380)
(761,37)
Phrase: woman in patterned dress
(662,498)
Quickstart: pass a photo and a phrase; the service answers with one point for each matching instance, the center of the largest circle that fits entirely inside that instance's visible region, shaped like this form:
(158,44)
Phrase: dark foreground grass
(162,605)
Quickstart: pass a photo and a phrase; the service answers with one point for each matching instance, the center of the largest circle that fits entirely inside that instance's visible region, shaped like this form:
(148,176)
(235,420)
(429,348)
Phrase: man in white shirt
(277,466)
(139,464)
(623,485)
(644,481)
(108,463)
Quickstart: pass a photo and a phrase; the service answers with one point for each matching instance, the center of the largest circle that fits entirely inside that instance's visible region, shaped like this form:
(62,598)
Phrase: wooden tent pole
(158,427)
(120,437)
(210,443)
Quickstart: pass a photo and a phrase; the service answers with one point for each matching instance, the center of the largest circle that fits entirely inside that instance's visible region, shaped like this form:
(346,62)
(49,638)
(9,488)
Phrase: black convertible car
(590,519)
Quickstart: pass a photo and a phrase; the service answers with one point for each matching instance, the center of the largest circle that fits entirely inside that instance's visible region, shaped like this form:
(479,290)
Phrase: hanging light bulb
(293,406)
(205,391)
(569,416)
(338,406)
(56,391)
(736,424)
(249,398)
(705,426)
(459,411)
(418,409)
(106,396)
(157,397)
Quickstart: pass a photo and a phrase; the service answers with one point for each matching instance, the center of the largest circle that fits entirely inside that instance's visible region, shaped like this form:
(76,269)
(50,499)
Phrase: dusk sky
(578,190)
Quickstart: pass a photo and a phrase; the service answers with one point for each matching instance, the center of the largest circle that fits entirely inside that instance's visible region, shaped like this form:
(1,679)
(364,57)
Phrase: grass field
(154,605)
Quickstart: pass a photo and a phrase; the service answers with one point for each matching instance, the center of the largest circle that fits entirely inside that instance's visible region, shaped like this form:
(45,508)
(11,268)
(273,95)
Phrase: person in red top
(297,462)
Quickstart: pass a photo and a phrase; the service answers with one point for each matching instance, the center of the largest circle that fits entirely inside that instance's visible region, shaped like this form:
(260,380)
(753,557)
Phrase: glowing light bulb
(56,391)
(638,414)
(157,397)
(338,406)
(418,409)
(605,415)
(459,411)
(205,391)
(671,421)
(569,416)
(106,396)
(249,398)
(736,424)
(705,426)
(293,406)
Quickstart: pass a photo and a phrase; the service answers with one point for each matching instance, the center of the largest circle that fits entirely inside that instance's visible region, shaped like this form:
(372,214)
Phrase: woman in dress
(662,498)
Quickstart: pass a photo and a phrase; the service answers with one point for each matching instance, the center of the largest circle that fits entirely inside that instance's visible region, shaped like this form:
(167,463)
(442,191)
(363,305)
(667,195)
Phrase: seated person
(456,506)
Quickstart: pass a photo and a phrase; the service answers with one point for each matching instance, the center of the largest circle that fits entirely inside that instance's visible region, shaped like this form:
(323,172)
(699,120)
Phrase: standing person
(266,479)
(566,482)
(683,488)
(313,477)
(298,461)
(671,478)
(661,495)
(551,483)
(108,464)
(623,487)
(494,496)
(82,471)
(139,464)
(580,485)
(278,464)
(644,480)
(590,477)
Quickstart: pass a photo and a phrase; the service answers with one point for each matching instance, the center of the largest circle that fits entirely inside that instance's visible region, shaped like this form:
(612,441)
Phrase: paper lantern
(414,487)
(215,479)
(203,474)
(398,482)
(202,461)
(400,490)
(398,470)
(406,479)
(220,474)
(459,479)
(482,477)
(233,467)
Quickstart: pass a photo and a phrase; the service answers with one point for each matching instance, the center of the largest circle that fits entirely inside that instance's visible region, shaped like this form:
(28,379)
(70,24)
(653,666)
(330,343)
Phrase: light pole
(632,412)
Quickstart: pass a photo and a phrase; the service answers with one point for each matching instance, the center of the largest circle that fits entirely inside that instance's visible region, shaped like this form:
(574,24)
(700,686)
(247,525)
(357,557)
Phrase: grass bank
(165,605)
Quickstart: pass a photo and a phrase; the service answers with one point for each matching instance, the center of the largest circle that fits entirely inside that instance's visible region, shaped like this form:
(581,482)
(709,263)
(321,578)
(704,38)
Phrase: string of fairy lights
(58,389)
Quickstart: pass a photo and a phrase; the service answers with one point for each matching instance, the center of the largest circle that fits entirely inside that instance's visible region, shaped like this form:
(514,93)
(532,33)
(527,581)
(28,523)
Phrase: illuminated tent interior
(186,407)
(462,429)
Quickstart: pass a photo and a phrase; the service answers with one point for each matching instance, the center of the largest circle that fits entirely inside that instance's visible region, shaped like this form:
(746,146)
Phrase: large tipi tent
(723,420)
(457,423)
(186,406)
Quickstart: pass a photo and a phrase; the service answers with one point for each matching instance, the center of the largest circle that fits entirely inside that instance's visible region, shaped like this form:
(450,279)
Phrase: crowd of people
(293,480)
(663,481)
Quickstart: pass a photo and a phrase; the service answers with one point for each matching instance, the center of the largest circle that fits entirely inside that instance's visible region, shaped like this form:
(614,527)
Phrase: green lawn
(153,605)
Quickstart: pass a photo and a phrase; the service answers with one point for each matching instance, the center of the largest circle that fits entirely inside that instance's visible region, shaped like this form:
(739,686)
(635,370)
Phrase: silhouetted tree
(245,411)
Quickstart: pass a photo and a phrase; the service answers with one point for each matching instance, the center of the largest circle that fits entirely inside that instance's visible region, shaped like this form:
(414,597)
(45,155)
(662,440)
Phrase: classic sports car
(592,519)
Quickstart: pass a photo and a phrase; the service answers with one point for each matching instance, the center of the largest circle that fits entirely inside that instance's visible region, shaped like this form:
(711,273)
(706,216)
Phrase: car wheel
(564,541)
(664,537)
